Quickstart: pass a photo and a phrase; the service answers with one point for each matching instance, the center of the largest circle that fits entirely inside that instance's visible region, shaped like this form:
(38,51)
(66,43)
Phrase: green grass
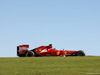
(49,65)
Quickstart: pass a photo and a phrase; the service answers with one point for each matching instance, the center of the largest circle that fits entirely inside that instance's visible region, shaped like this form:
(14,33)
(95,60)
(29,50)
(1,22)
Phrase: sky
(66,24)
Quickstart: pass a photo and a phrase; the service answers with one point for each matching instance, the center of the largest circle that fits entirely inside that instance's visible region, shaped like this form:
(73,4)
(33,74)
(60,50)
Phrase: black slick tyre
(80,53)
(30,54)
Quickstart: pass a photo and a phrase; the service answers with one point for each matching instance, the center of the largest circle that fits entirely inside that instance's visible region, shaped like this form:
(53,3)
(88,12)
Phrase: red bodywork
(44,51)
(53,52)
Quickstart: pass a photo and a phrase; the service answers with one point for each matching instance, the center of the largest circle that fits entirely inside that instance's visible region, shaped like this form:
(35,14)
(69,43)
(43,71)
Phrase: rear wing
(22,49)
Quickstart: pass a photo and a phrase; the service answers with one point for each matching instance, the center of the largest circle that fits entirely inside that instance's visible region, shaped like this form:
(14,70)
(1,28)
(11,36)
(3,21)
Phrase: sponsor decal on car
(65,52)
(58,53)
(39,49)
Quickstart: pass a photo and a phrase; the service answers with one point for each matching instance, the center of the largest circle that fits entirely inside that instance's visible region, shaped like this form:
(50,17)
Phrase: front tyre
(30,54)
(80,53)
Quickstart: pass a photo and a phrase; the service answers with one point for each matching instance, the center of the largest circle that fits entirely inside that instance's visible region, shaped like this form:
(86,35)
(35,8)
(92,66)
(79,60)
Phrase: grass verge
(50,65)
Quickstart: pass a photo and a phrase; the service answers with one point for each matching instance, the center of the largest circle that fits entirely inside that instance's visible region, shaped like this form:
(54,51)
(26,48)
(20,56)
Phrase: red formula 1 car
(22,51)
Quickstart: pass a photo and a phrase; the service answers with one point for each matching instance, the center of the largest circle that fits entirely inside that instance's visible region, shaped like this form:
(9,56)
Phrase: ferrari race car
(22,51)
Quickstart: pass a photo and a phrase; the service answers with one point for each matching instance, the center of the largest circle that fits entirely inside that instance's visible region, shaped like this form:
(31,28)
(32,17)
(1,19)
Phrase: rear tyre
(30,54)
(80,53)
